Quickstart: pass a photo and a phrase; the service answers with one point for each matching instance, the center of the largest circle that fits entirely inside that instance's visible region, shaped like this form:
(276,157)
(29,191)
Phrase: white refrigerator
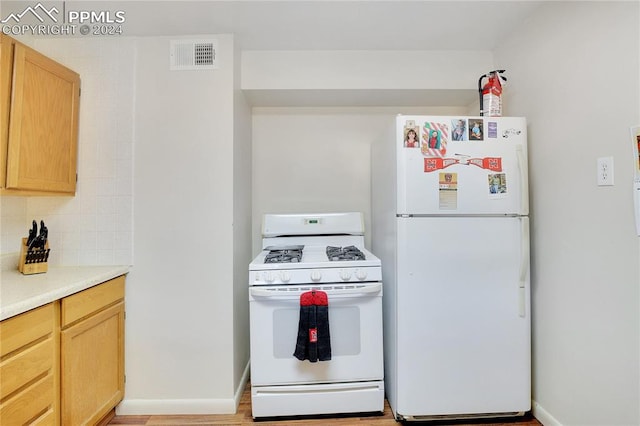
(450,224)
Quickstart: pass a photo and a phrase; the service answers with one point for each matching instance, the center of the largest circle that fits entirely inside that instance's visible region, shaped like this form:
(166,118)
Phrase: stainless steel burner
(344,253)
(288,254)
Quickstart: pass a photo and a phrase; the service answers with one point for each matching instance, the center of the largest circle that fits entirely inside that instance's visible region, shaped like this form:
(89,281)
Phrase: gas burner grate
(283,256)
(344,253)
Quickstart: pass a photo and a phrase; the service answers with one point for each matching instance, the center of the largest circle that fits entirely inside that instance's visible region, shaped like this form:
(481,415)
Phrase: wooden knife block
(35,261)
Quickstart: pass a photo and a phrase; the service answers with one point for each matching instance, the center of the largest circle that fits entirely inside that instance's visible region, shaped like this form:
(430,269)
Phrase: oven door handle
(365,290)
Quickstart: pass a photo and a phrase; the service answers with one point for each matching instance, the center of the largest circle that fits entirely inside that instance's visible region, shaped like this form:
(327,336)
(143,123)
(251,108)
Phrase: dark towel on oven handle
(313,340)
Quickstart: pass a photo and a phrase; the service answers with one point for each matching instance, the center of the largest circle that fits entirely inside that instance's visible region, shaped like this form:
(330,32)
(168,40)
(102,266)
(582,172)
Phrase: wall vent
(193,55)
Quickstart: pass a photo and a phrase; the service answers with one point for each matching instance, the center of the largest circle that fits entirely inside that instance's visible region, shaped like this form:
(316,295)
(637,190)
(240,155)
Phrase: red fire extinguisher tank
(491,93)
(492,96)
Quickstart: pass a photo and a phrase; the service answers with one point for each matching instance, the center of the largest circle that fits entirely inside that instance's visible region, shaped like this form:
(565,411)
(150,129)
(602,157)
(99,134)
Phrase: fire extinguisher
(491,93)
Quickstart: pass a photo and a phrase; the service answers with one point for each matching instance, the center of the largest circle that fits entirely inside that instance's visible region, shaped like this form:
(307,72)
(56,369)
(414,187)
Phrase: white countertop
(20,293)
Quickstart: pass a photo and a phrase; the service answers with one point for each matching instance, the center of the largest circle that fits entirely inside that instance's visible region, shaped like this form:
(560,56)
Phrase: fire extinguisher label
(492,105)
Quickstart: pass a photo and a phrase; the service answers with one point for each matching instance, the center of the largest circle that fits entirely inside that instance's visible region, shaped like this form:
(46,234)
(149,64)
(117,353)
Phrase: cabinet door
(6,71)
(92,363)
(43,124)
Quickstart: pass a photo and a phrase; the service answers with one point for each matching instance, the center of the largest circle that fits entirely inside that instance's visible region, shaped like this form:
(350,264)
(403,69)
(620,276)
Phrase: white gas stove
(315,252)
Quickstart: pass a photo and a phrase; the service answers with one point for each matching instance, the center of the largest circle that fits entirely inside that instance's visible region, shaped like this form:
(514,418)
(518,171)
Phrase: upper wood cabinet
(39,106)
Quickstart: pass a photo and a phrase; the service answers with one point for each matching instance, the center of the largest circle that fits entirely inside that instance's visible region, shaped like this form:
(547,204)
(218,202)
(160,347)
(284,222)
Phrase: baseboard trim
(543,416)
(130,407)
(243,384)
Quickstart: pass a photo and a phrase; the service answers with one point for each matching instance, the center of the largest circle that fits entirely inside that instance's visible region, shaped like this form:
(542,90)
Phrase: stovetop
(315,267)
(293,254)
(314,257)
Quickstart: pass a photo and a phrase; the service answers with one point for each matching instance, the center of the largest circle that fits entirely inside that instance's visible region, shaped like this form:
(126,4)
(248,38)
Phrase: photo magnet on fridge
(435,137)
(492,130)
(497,185)
(411,134)
(476,130)
(459,129)
(448,191)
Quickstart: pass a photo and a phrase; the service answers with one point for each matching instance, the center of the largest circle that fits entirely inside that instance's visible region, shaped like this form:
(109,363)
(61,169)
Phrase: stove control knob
(316,276)
(285,276)
(361,274)
(345,274)
(269,277)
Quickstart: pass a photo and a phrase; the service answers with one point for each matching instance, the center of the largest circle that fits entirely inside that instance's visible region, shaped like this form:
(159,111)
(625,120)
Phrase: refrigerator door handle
(524,187)
(524,265)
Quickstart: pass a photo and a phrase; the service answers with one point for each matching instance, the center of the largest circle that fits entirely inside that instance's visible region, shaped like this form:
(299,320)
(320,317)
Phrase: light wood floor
(243,417)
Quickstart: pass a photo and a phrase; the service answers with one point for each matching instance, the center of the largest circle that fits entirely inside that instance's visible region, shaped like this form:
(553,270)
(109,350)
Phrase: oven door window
(355,323)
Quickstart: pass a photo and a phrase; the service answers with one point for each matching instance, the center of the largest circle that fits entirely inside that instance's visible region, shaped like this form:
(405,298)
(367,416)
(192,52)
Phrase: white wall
(573,71)
(318,159)
(180,316)
(357,69)
(95,226)
(313,153)
(242,253)
(362,78)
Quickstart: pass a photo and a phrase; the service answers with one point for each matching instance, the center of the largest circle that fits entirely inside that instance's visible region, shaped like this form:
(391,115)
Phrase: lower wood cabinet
(63,363)
(29,374)
(92,353)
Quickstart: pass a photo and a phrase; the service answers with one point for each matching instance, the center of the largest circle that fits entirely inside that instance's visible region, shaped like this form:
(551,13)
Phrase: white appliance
(294,260)
(449,214)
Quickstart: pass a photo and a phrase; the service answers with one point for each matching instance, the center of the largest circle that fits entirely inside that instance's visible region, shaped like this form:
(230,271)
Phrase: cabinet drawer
(25,328)
(26,366)
(29,405)
(86,302)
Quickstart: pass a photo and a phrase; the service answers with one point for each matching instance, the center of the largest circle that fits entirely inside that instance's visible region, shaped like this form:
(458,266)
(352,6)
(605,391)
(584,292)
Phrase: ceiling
(334,24)
(319,24)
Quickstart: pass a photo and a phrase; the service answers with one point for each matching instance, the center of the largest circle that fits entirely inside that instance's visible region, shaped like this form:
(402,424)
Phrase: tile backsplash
(13,225)
(96,226)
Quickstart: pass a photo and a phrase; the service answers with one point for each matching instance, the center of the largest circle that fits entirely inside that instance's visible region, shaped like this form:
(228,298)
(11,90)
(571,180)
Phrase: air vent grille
(193,54)
(205,54)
